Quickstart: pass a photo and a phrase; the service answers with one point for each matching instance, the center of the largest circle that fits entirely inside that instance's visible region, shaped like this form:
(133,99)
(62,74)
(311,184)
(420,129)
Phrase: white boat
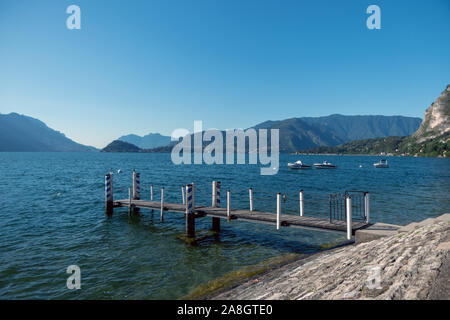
(381,164)
(325,165)
(298,165)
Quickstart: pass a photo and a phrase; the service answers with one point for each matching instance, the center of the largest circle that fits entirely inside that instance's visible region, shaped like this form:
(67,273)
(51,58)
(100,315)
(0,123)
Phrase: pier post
(193,197)
(216,204)
(182,195)
(301,202)
(136,188)
(348,206)
(136,185)
(213,195)
(109,194)
(151,194)
(130,205)
(367,206)
(250,197)
(228,205)
(190,220)
(162,204)
(278,210)
(112,185)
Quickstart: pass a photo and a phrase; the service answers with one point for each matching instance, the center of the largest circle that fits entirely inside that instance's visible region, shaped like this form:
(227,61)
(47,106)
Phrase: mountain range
(308,132)
(432,139)
(303,133)
(23,133)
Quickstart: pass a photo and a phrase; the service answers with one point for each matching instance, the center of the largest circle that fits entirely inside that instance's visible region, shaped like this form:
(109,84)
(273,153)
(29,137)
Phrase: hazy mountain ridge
(23,133)
(149,141)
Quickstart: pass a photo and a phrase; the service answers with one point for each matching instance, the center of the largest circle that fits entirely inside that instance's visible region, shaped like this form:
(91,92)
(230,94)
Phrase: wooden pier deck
(340,219)
(287,220)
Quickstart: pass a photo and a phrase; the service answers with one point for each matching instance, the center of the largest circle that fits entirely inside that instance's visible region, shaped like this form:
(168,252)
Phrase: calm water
(52,216)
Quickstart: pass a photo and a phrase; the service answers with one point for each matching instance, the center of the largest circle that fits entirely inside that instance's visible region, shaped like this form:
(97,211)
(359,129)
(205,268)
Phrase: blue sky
(154,66)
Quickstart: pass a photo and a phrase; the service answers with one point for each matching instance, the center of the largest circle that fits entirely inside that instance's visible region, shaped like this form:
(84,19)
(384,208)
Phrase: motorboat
(381,164)
(298,165)
(325,165)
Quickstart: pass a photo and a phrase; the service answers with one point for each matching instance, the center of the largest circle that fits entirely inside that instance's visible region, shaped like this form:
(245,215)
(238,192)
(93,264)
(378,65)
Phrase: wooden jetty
(216,212)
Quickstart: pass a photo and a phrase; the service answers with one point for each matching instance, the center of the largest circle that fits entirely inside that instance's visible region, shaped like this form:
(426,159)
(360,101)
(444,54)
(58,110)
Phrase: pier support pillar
(130,205)
(216,204)
(109,194)
(136,188)
(161,218)
(216,224)
(190,220)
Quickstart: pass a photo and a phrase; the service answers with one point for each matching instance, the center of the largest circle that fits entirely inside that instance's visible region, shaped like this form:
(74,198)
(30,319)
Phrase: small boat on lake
(381,164)
(299,165)
(325,165)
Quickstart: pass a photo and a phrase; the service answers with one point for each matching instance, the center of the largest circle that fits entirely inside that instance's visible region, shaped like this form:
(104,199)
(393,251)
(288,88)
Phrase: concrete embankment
(411,262)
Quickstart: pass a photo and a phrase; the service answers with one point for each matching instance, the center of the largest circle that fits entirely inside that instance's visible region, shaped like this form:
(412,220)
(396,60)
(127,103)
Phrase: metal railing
(359,203)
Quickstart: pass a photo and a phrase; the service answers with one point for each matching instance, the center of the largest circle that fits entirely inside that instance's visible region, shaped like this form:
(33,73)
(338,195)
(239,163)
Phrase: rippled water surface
(52,216)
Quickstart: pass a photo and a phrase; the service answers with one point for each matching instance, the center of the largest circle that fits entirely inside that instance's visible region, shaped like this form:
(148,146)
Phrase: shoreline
(238,277)
(413,264)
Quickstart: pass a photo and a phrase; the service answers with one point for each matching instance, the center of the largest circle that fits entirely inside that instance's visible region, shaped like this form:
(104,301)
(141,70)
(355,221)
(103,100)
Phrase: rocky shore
(412,264)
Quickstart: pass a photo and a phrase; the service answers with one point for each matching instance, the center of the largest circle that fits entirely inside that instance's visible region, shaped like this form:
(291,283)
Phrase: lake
(53,215)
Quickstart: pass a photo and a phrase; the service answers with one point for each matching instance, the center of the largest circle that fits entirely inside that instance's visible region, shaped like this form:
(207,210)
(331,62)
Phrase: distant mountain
(307,132)
(298,134)
(149,141)
(351,128)
(23,133)
(432,139)
(120,146)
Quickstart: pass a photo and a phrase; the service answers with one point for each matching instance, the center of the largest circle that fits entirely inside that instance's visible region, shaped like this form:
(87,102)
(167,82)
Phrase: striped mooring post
(216,204)
(109,194)
(193,195)
(136,188)
(190,220)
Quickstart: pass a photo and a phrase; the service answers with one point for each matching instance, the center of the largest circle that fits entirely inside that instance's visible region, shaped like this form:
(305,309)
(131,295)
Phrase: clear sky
(154,66)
